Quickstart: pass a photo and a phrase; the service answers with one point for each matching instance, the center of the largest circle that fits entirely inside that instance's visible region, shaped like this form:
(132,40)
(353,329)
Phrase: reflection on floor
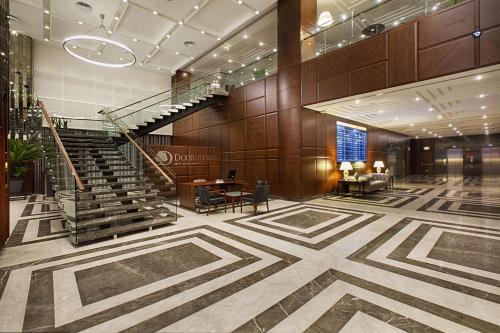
(420,258)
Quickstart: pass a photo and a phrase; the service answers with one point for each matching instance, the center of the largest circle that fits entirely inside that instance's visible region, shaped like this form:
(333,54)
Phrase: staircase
(116,199)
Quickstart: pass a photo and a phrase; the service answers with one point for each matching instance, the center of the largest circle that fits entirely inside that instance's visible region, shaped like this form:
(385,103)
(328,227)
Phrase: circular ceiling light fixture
(97,49)
(83,6)
(325,19)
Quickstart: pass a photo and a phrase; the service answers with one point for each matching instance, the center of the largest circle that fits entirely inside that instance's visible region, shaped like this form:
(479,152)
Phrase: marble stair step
(106,170)
(82,136)
(135,175)
(135,182)
(102,161)
(120,190)
(117,230)
(113,210)
(86,141)
(87,153)
(71,148)
(119,218)
(82,204)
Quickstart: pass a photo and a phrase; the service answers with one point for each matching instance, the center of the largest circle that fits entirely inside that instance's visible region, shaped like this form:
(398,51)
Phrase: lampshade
(345,166)
(325,19)
(378,164)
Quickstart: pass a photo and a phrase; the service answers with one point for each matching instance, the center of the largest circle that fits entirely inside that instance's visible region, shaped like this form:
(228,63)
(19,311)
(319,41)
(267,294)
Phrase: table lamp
(346,167)
(379,165)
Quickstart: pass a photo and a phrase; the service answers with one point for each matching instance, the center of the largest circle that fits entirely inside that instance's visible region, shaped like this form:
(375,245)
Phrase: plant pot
(16,185)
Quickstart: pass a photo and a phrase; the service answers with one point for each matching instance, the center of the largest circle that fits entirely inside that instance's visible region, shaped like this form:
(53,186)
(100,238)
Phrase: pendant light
(325,19)
(95,47)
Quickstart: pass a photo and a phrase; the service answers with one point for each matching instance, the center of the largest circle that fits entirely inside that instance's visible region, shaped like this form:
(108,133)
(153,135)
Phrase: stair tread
(105,170)
(120,217)
(135,175)
(138,181)
(126,189)
(119,208)
(85,237)
(82,203)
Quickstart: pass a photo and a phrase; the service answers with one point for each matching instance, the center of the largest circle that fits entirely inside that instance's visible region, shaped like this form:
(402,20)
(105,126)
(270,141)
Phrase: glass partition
(364,21)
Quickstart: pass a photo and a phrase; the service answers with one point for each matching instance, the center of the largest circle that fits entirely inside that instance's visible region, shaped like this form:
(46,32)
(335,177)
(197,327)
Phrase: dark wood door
(472,163)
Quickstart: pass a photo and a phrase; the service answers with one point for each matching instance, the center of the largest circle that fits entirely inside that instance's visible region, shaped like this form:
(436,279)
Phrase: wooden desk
(187,196)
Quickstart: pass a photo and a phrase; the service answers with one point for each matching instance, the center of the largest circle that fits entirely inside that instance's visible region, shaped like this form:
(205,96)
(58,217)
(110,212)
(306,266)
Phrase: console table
(345,186)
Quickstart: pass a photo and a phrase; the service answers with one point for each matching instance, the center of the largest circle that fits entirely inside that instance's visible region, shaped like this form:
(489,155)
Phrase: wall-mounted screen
(351,143)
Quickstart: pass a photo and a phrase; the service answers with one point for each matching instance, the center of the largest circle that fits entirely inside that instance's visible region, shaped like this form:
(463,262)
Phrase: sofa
(375,182)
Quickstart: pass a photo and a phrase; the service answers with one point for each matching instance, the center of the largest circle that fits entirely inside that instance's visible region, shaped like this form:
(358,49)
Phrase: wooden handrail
(59,143)
(164,174)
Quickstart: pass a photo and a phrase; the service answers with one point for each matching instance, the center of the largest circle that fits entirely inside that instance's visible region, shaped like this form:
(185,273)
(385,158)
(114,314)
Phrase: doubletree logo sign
(168,158)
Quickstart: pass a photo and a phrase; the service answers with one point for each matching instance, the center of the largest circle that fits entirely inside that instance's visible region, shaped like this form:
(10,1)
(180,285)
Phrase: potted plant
(20,153)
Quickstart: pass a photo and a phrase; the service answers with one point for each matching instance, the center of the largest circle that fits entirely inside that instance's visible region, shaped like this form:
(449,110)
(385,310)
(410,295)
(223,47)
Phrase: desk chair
(258,196)
(209,198)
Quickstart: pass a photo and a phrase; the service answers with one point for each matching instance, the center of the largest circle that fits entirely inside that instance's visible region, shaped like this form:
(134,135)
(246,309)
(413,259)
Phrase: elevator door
(455,166)
(490,163)
(472,163)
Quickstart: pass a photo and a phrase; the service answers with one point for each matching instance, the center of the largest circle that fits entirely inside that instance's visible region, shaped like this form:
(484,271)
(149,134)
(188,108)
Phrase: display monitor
(231,175)
(351,143)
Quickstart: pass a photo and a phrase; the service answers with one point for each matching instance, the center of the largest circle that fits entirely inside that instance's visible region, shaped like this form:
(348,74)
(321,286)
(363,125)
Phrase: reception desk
(187,196)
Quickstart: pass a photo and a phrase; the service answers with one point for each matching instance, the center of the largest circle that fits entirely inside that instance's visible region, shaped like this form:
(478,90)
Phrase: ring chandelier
(97,49)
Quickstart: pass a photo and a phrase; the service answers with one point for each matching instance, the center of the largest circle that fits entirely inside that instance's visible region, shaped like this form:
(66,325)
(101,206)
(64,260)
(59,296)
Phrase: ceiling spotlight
(275,50)
(479,77)
(417,99)
(202,32)
(380,111)
(440,117)
(481,96)
(155,12)
(435,134)
(13,32)
(181,23)
(218,38)
(357,101)
(261,44)
(416,137)
(430,109)
(80,22)
(412,125)
(483,107)
(423,130)
(47,27)
(485,116)
(454,128)
(243,65)
(168,36)
(191,58)
(192,69)
(124,1)
(116,18)
(158,68)
(449,125)
(317,53)
(343,17)
(141,63)
(240,2)
(257,12)
(46,11)
(110,32)
(485,124)
(135,39)
(325,19)
(230,60)
(157,46)
(214,55)
(196,7)
(245,36)
(99,52)
(177,52)
(230,71)
(460,134)
(149,55)
(430,132)
(440,136)
(121,59)
(258,58)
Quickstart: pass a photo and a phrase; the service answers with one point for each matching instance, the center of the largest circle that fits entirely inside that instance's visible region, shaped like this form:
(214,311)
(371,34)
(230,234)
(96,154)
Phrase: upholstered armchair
(209,198)
(255,197)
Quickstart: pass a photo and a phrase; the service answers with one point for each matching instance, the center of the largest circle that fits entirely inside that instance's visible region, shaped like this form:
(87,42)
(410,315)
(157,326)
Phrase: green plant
(20,152)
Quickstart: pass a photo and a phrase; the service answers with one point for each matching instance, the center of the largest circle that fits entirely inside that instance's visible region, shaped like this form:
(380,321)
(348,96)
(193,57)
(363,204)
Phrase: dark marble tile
(100,282)
(306,219)
(467,250)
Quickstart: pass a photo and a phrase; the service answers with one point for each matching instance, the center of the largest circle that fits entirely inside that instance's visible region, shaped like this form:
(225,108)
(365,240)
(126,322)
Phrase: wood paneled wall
(428,47)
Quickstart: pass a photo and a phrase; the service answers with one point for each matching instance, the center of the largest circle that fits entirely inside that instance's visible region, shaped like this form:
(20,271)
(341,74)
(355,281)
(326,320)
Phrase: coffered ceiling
(156,30)
(466,103)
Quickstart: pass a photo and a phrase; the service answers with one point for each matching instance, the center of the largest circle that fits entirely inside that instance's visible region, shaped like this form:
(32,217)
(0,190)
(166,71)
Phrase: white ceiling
(137,26)
(469,102)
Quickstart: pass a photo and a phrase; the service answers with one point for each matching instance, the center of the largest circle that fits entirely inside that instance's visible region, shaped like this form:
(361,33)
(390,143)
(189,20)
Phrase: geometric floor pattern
(327,265)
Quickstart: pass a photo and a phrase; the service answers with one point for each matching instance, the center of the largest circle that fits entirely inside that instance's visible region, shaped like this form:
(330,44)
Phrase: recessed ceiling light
(242,65)
(275,50)
(435,134)
(258,58)
(80,22)
(440,117)
(317,53)
(46,11)
(196,7)
(214,55)
(168,36)
(99,52)
(380,111)
(417,99)
(412,125)
(121,59)
(240,2)
(483,107)
(423,130)
(125,1)
(434,7)
(449,125)
(481,96)
(230,71)
(203,32)
(396,23)
(339,44)
(485,124)
(191,58)
(74,46)
(485,116)
(430,132)
(479,77)
(257,12)
(460,134)
(155,12)
(116,18)
(261,44)
(416,137)
(47,27)
(357,101)
(230,60)
(13,32)
(343,17)
(440,136)
(157,46)
(218,38)
(103,43)
(181,23)
(149,55)
(192,69)
(454,128)
(141,63)
(177,52)
(245,36)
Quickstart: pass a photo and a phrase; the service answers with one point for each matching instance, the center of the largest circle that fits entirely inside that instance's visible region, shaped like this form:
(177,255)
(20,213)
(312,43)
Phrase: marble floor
(422,257)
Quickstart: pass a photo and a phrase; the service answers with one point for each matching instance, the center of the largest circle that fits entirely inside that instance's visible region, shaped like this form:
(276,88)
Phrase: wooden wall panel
(449,24)
(289,77)
(256,107)
(237,135)
(333,87)
(256,133)
(369,79)
(403,55)
(368,52)
(309,82)
(490,47)
(236,111)
(333,63)
(272,130)
(448,58)
(489,13)
(308,128)
(255,90)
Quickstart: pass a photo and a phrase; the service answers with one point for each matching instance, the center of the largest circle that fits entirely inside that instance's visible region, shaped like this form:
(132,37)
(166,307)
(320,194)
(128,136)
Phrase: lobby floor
(423,257)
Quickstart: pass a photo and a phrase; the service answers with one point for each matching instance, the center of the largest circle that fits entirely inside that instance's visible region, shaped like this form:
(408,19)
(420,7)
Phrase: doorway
(472,163)
(455,162)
